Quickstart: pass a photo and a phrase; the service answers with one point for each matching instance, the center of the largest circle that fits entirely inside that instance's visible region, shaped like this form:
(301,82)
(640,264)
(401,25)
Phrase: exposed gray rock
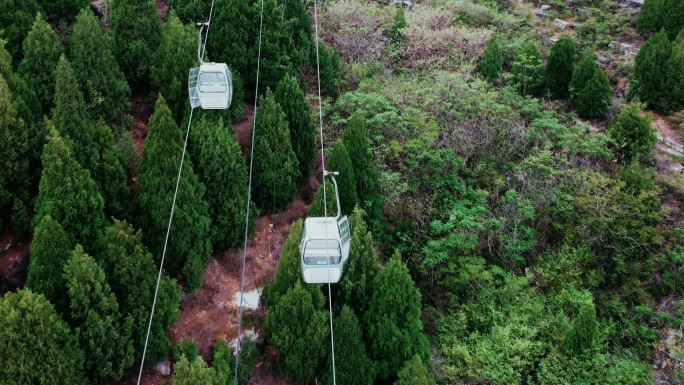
(545,7)
(562,24)
(163,368)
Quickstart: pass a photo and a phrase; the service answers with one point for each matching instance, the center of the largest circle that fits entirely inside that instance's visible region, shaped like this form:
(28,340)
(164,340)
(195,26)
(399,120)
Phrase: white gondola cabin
(210,86)
(325,246)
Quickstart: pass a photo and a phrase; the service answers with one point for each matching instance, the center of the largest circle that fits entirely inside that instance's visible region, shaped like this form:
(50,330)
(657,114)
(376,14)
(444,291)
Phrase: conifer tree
(352,365)
(329,66)
(63,10)
(132,274)
(68,194)
(527,70)
(36,345)
(346,181)
(176,53)
(394,327)
(399,24)
(583,72)
(194,372)
(16,20)
(674,68)
(673,17)
(222,169)
(110,175)
(594,100)
(301,339)
(355,138)
(104,336)
(300,30)
(632,133)
(50,250)
(136,33)
(559,67)
(491,65)
(27,103)
(190,12)
(275,163)
(232,31)
(414,372)
(103,85)
(649,84)
(223,361)
(302,131)
(71,118)
(191,246)
(42,50)
(317,209)
(583,335)
(650,16)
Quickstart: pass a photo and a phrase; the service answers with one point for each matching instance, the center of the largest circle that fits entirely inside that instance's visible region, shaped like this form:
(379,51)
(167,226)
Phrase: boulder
(562,24)
(163,368)
(545,7)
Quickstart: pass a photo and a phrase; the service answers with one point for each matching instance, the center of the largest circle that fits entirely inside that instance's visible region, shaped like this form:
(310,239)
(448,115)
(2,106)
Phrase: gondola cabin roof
(316,228)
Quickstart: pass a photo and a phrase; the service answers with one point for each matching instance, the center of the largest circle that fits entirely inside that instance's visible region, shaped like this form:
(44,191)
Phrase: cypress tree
(674,68)
(190,12)
(95,312)
(672,17)
(559,67)
(300,30)
(63,10)
(16,20)
(68,194)
(399,24)
(632,133)
(103,85)
(650,16)
(594,100)
(110,174)
(302,131)
(649,84)
(176,53)
(394,327)
(27,103)
(50,250)
(583,72)
(232,32)
(275,163)
(36,345)
(42,50)
(330,71)
(583,335)
(346,181)
(191,246)
(222,169)
(527,70)
(491,65)
(136,32)
(414,372)
(317,209)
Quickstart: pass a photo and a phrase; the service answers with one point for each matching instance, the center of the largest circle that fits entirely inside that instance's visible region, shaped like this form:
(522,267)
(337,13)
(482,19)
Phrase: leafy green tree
(583,72)
(298,114)
(169,70)
(71,118)
(222,169)
(63,10)
(42,50)
(491,64)
(632,133)
(110,174)
(103,335)
(193,373)
(594,100)
(346,182)
(583,335)
(136,33)
(559,67)
(414,372)
(650,15)
(68,194)
(275,163)
(50,250)
(303,339)
(104,87)
(355,138)
(16,20)
(317,209)
(527,70)
(648,84)
(352,365)
(394,327)
(191,246)
(36,345)
(132,275)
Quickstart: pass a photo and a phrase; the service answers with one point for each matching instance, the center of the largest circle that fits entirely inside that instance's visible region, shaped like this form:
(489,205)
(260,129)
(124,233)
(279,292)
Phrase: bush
(632,133)
(594,100)
(491,65)
(559,67)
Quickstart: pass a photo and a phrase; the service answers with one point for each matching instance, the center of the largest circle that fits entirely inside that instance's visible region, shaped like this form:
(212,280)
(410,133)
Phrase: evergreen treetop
(559,67)
(339,161)
(594,100)
(583,72)
(527,70)
(414,372)
(648,84)
(42,50)
(491,65)
(632,133)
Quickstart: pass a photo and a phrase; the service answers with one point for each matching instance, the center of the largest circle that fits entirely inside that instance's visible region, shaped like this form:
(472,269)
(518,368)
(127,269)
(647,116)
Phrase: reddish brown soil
(242,129)
(161,7)
(141,116)
(14,260)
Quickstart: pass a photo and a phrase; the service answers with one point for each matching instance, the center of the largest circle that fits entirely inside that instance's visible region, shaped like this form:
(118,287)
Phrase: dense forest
(511,169)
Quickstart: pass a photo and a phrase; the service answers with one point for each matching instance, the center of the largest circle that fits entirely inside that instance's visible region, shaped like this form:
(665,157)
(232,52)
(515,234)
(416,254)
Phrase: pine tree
(355,138)
(329,65)
(302,131)
(103,85)
(110,175)
(132,274)
(23,95)
(193,373)
(300,30)
(650,85)
(301,339)
(632,133)
(650,16)
(176,53)
(527,70)
(16,20)
(275,163)
(63,10)
(352,365)
(559,67)
(674,68)
(491,65)
(394,327)
(222,169)
(50,250)
(317,209)
(346,181)
(583,72)
(672,17)
(191,246)
(414,372)
(104,336)
(399,24)
(36,345)
(190,12)
(42,50)
(594,100)
(71,118)
(583,335)
(136,33)
(68,194)
(232,32)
